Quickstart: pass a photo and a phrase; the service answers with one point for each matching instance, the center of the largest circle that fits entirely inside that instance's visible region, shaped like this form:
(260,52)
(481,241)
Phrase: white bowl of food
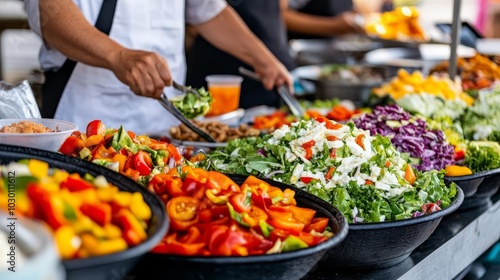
(44,134)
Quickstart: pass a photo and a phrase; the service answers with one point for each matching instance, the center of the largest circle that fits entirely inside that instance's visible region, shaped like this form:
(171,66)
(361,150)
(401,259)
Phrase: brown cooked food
(25,127)
(219,131)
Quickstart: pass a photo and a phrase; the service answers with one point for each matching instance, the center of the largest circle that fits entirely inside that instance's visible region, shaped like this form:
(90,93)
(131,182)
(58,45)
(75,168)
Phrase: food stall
(379,172)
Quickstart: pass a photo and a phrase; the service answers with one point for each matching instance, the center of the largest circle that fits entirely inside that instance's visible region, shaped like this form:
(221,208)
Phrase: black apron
(263,18)
(327,8)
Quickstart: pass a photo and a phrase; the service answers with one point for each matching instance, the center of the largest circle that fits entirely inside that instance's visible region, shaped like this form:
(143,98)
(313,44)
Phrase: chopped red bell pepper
(99,213)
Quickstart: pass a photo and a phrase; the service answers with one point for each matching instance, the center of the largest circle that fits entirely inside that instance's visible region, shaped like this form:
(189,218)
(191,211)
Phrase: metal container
(358,93)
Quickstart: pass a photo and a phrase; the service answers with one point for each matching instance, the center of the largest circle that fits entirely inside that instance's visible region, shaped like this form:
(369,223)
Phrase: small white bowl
(49,141)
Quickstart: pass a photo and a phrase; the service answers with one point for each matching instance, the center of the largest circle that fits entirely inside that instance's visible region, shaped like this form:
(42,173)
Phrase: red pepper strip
(75,185)
(99,213)
(317,224)
(133,231)
(48,207)
(174,153)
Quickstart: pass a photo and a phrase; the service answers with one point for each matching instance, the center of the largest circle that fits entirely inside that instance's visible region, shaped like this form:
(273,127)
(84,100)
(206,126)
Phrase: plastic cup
(225,90)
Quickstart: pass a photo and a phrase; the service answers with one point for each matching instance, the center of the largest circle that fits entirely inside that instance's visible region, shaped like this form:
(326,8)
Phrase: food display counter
(459,240)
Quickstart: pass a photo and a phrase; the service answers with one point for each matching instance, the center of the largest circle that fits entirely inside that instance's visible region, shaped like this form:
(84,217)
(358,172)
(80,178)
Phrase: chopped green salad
(192,106)
(363,176)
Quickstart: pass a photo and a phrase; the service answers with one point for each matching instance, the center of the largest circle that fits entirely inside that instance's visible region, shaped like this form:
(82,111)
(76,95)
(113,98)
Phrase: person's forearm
(314,25)
(70,33)
(229,33)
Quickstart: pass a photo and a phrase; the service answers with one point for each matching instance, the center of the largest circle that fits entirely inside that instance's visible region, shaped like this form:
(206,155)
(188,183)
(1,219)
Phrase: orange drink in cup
(225,90)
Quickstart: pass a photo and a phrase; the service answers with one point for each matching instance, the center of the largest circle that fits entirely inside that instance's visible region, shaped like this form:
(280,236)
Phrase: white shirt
(151,25)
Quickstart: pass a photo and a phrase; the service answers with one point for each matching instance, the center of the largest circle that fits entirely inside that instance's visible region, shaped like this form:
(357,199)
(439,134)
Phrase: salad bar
(371,173)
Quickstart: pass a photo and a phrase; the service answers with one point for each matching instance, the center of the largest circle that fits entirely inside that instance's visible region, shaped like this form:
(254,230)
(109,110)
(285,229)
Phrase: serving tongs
(290,100)
(185,89)
(177,114)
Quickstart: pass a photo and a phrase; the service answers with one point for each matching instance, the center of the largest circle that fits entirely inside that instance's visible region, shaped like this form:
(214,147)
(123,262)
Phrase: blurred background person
(264,18)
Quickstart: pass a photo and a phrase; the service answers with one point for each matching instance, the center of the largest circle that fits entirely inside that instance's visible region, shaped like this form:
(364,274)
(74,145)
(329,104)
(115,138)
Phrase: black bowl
(488,187)
(381,245)
(112,266)
(288,265)
(477,187)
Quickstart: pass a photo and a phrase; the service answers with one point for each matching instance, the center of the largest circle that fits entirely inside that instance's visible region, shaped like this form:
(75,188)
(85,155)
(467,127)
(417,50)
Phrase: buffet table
(459,240)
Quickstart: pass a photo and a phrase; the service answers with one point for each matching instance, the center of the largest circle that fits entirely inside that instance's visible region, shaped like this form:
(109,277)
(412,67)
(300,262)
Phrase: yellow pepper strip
(456,170)
(112,231)
(88,196)
(97,247)
(38,168)
(107,194)
(123,198)
(140,208)
(67,241)
(59,175)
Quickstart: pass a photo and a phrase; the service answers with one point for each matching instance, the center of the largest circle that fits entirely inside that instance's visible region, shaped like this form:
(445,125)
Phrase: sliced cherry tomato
(306,180)
(317,224)
(96,127)
(72,145)
(143,163)
(369,183)
(183,208)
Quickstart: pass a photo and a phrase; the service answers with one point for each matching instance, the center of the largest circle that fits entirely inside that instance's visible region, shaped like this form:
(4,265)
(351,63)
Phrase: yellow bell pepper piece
(456,170)
(67,241)
(38,168)
(107,194)
(59,176)
(139,208)
(97,247)
(123,198)
(88,196)
(112,231)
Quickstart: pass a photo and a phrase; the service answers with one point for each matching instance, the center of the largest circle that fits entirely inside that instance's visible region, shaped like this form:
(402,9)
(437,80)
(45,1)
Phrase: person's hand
(350,22)
(146,73)
(274,74)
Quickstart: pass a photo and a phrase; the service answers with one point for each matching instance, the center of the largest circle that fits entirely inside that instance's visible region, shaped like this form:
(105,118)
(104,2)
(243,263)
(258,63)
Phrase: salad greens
(319,103)
(483,118)
(482,156)
(363,176)
(192,106)
(431,106)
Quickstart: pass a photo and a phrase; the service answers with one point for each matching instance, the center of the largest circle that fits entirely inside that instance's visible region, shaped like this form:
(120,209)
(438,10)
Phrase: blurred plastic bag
(17,101)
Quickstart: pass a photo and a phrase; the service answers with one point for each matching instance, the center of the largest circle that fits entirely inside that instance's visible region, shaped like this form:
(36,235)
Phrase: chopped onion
(171,163)
(274,173)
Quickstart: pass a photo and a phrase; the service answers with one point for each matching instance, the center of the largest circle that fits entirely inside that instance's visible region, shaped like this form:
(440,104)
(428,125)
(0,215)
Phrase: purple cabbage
(411,136)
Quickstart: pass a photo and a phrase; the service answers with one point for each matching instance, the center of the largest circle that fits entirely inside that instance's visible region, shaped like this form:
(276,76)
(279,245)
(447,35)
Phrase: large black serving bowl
(112,266)
(286,266)
(381,245)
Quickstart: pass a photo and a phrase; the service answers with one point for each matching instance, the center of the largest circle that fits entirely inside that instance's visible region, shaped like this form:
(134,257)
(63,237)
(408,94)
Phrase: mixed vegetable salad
(87,215)
(211,215)
(363,176)
(136,156)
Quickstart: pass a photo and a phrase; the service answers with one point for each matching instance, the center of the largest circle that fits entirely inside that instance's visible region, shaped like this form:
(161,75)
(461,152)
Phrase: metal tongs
(185,89)
(171,108)
(290,100)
